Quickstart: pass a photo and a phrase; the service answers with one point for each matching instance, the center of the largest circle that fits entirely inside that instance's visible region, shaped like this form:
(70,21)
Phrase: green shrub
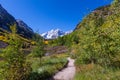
(15,67)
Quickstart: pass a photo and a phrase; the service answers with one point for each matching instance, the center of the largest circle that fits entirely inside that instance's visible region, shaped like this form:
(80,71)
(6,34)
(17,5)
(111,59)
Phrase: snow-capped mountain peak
(54,33)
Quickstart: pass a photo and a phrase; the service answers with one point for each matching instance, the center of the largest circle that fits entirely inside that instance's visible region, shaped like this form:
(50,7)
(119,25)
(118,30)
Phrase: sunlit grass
(49,65)
(96,72)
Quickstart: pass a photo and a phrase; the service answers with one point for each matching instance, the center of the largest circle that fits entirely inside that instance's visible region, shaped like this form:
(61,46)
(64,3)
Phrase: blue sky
(44,15)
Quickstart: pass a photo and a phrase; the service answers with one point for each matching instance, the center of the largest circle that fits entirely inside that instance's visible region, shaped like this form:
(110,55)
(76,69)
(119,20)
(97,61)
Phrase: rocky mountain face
(6,20)
(3,44)
(54,33)
(24,29)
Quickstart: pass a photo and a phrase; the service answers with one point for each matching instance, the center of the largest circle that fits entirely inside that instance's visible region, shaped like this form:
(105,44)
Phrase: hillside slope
(99,35)
(6,20)
(100,15)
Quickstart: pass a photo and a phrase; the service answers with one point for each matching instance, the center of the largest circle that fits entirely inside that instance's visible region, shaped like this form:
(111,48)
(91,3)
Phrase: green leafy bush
(15,66)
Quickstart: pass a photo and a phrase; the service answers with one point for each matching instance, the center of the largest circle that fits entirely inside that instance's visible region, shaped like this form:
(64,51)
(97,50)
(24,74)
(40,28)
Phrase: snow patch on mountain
(54,33)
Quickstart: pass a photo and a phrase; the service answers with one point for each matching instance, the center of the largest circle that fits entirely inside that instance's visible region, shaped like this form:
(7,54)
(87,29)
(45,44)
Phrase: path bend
(67,73)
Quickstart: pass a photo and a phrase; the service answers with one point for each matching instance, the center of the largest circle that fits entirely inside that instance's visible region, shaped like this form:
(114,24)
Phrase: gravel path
(67,73)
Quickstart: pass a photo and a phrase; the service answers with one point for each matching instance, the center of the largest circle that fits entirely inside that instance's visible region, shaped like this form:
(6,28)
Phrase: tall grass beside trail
(96,72)
(48,67)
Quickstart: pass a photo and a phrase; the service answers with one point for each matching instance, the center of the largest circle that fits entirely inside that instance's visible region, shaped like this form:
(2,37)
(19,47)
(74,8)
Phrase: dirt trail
(67,73)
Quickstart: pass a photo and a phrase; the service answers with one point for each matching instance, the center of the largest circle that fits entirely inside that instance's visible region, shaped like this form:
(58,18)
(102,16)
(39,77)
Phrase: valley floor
(68,73)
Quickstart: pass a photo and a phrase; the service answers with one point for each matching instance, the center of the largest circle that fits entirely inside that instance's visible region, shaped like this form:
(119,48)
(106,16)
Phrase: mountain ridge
(7,20)
(54,33)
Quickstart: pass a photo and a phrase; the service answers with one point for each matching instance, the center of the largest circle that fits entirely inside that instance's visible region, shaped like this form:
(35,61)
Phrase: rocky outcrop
(3,44)
(24,29)
(56,50)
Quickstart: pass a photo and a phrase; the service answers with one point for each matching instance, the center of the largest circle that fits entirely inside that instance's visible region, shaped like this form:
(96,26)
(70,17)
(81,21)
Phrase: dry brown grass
(85,67)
